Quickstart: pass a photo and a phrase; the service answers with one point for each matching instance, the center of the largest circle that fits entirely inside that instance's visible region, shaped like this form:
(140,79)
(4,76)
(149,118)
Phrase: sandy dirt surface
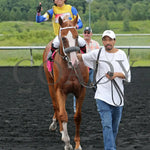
(26,112)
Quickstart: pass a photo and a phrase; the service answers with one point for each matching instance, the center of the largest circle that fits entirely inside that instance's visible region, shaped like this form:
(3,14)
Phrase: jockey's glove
(39,8)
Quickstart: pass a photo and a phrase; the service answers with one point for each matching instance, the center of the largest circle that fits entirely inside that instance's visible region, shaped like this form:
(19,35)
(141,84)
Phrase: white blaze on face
(71,40)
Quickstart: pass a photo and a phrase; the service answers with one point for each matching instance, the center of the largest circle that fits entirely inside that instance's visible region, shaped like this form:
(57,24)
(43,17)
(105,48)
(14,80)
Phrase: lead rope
(120,93)
(96,68)
(95,72)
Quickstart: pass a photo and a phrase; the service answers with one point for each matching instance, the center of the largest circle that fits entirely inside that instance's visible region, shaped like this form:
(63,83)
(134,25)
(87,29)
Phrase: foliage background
(101,11)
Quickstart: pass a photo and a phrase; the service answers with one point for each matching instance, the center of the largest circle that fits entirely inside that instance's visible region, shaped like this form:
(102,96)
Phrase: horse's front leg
(77,118)
(63,119)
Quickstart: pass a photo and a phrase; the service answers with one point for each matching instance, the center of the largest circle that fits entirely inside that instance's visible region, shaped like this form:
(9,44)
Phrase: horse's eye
(63,39)
(65,42)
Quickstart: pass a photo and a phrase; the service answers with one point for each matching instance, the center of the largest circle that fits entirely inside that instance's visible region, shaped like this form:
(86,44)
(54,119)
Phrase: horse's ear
(75,21)
(60,21)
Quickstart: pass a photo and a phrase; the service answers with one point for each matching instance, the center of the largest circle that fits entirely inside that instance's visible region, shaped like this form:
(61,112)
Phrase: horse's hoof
(53,126)
(80,148)
(68,147)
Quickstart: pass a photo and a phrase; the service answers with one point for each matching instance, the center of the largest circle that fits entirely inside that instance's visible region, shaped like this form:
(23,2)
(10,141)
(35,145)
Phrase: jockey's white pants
(56,42)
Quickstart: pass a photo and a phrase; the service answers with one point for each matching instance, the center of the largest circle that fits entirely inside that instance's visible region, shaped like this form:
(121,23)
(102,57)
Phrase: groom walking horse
(67,73)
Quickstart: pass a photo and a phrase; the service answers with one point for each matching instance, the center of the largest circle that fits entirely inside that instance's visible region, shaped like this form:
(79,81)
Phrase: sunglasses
(86,32)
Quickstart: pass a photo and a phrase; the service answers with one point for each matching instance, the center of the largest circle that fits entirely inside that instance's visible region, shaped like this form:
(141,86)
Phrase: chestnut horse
(67,74)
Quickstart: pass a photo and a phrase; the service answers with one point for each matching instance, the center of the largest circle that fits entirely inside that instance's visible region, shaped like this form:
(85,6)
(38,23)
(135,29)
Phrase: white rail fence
(43,47)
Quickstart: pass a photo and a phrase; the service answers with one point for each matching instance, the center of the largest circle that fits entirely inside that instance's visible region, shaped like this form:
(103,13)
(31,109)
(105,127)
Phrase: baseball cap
(109,33)
(87,29)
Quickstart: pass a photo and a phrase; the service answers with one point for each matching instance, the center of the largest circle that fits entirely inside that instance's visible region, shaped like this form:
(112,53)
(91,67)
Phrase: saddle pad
(50,63)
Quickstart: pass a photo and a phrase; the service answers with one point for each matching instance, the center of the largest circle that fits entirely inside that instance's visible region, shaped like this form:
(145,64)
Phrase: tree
(138,11)
(100,25)
(13,15)
(112,16)
(31,15)
(5,16)
(111,9)
(126,14)
(148,11)
(1,13)
(126,19)
(126,25)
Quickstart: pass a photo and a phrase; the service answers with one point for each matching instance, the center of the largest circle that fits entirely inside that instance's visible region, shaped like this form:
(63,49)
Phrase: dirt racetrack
(26,112)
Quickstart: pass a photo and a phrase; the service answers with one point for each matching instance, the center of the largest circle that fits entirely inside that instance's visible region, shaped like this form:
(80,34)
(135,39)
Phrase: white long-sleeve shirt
(114,62)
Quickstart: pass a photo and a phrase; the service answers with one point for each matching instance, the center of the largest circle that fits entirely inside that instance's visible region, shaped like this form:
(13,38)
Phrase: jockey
(60,9)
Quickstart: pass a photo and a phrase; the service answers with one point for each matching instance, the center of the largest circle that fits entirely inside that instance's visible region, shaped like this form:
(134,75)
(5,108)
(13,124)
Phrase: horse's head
(68,37)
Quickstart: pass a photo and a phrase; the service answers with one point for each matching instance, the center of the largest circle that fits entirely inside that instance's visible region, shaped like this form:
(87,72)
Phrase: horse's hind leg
(77,118)
(53,125)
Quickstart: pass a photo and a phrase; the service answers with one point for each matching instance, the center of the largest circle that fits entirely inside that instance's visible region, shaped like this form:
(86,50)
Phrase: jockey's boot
(50,54)
(83,49)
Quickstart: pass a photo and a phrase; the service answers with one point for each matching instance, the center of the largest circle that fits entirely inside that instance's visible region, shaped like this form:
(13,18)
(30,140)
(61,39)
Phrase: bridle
(69,49)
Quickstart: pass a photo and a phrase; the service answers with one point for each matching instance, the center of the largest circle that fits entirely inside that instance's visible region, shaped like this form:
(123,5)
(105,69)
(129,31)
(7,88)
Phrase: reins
(92,84)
